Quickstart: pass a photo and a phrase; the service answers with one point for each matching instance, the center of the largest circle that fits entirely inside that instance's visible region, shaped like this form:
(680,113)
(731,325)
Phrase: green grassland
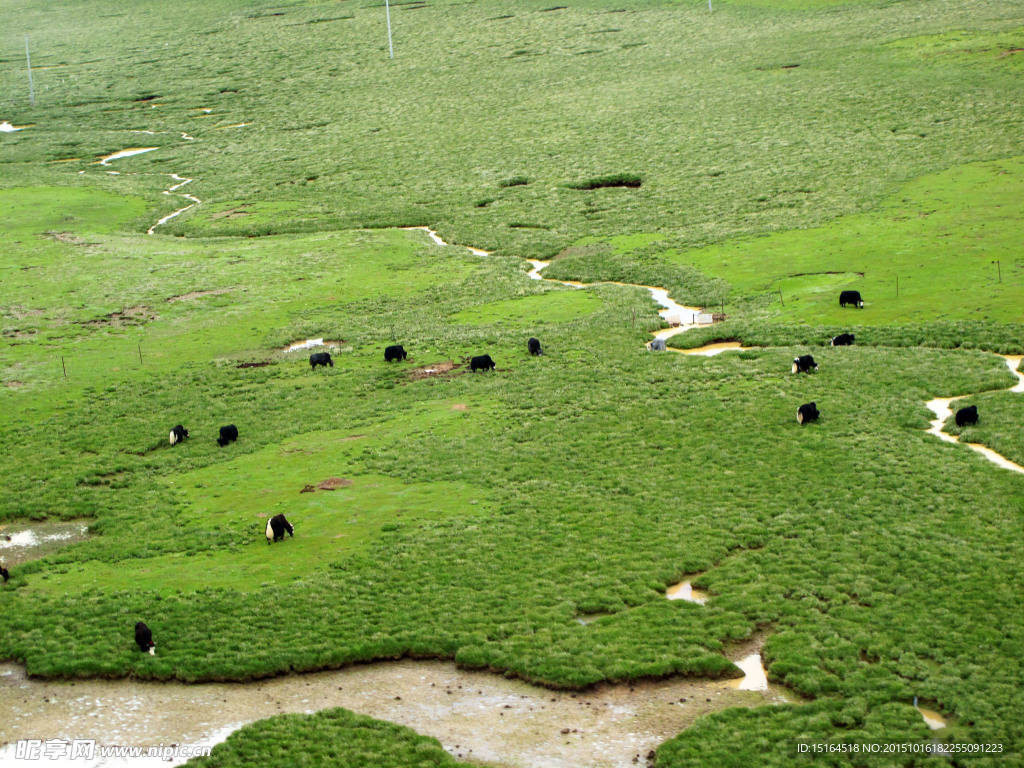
(776,142)
(336,738)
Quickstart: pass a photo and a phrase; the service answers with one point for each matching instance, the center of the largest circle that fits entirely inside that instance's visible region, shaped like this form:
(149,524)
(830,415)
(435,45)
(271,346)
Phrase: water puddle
(942,408)
(710,350)
(312,344)
(475,715)
(105,160)
(20,542)
(684,591)
(6,127)
(236,125)
(755,677)
(932,719)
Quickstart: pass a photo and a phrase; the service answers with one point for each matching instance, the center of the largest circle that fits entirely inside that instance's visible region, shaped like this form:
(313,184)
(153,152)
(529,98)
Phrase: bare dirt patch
(459,407)
(197,294)
(14,384)
(260,364)
(333,483)
(434,370)
(18,312)
(234,213)
(129,316)
(67,237)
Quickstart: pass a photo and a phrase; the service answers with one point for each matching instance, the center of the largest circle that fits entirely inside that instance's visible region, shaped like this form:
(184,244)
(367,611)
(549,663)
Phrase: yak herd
(278,525)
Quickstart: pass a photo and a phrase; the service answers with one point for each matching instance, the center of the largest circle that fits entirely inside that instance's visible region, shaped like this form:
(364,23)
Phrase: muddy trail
(475,715)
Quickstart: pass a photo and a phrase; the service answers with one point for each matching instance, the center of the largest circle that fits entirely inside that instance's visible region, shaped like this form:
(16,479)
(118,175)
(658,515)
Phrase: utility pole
(387,10)
(31,90)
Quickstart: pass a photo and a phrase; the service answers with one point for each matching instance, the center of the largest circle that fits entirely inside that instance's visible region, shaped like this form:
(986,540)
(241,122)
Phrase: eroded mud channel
(475,715)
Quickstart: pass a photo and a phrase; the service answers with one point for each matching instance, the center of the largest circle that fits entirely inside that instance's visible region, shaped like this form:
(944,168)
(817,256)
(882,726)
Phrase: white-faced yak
(276,526)
(851,297)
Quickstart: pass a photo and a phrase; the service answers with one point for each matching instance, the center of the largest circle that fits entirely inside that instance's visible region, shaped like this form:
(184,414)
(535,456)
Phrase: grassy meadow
(784,149)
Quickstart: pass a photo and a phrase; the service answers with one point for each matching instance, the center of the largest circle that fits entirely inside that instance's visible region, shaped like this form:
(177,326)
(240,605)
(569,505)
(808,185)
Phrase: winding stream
(942,407)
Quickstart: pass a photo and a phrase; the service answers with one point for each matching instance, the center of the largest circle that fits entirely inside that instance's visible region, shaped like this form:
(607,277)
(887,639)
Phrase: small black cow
(804,364)
(534,346)
(228,434)
(481,362)
(851,297)
(394,353)
(843,340)
(658,345)
(144,638)
(276,526)
(4,573)
(178,434)
(968,415)
(807,412)
(320,358)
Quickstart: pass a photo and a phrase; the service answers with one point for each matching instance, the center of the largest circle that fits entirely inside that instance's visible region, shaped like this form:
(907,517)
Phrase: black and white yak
(804,364)
(276,526)
(807,412)
(144,638)
(178,434)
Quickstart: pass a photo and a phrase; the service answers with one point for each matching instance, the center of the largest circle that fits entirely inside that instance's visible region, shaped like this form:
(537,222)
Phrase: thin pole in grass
(63,366)
(387,10)
(140,353)
(28,61)
(999,270)
(780,299)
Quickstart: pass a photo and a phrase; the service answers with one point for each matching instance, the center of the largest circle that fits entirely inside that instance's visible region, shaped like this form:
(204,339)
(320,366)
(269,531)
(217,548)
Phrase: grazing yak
(533,345)
(4,573)
(851,297)
(807,412)
(228,434)
(178,434)
(482,363)
(843,340)
(144,638)
(320,358)
(968,415)
(658,345)
(276,526)
(395,352)
(804,364)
